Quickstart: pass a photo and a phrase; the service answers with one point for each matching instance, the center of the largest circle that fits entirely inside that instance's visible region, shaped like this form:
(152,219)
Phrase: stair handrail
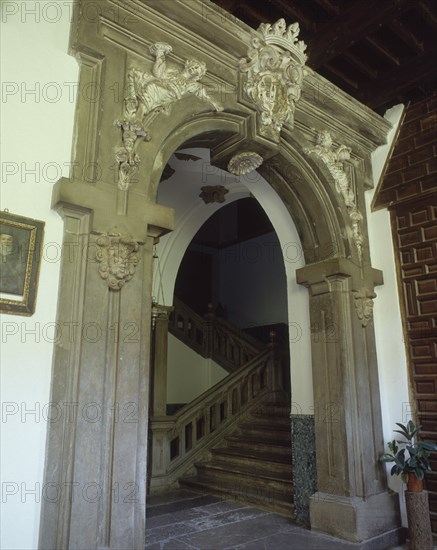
(213,337)
(221,386)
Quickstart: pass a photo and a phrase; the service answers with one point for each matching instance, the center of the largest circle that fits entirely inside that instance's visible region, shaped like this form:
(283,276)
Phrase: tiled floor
(188,521)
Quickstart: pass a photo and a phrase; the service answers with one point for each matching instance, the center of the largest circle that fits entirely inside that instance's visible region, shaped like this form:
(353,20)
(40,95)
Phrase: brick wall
(409,190)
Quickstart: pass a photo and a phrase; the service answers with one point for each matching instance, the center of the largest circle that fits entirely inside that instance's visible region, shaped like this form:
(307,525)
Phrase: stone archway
(97,456)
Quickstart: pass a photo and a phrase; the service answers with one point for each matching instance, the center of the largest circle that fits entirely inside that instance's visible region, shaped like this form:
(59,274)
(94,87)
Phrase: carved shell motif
(244,163)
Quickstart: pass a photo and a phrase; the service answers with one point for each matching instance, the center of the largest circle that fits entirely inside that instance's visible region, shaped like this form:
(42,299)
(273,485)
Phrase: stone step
(251,445)
(279,464)
(261,477)
(269,422)
(247,493)
(281,433)
(272,409)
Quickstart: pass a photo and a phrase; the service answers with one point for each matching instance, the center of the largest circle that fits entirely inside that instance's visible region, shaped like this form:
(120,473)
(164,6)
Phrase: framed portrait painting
(21,243)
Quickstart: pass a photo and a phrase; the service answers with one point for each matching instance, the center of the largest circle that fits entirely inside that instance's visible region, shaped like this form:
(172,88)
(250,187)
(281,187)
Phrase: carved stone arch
(311,200)
(310,197)
(333,205)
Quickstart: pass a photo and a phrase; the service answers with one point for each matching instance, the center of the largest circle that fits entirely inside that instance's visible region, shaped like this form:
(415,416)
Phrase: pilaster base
(355,519)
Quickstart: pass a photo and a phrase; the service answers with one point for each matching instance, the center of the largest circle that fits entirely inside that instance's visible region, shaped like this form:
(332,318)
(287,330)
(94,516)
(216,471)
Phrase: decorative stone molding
(333,160)
(213,193)
(118,259)
(275,71)
(148,95)
(363,301)
(244,163)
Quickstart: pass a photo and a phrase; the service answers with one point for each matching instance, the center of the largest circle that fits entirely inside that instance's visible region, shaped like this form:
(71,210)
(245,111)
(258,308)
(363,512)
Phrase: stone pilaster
(352,501)
(96,460)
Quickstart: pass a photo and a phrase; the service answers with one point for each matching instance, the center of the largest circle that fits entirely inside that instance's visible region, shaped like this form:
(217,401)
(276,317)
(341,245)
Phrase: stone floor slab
(199,522)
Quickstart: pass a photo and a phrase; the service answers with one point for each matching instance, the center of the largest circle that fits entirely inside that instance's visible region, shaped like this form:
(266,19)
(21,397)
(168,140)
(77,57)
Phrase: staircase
(234,440)
(254,466)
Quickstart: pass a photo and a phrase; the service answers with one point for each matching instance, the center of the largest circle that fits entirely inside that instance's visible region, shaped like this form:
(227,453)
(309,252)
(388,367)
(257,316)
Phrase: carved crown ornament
(150,94)
(117,257)
(333,160)
(363,301)
(274,69)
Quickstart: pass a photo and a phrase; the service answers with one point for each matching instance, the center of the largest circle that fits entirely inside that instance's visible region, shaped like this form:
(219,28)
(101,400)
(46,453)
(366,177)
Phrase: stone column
(352,501)
(160,315)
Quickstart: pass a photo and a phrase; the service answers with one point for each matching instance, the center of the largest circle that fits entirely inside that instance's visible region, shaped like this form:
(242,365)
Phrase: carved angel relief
(363,300)
(275,71)
(150,94)
(118,261)
(333,160)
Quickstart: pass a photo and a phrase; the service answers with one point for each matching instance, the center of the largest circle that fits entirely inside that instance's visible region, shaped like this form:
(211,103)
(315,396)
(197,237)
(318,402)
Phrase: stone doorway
(315,155)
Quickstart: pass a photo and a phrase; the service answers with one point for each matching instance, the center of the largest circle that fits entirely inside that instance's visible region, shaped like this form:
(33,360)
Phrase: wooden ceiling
(382,52)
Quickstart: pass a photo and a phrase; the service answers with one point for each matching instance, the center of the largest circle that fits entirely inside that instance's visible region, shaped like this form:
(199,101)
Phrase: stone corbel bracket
(274,69)
(150,94)
(117,257)
(333,160)
(363,301)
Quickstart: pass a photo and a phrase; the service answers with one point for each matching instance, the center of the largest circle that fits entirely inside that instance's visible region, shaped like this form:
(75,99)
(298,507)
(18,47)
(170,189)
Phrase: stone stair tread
(258,455)
(261,472)
(254,462)
(257,425)
(252,440)
(246,493)
(268,421)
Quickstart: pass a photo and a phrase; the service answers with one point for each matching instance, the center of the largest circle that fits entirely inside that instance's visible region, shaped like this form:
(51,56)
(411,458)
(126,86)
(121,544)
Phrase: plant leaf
(419,473)
(429,445)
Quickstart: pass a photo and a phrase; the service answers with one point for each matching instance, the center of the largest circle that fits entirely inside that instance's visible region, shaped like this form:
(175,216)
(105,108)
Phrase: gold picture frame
(21,246)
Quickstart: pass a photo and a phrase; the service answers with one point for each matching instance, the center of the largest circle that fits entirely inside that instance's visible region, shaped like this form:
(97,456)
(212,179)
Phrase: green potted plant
(410,457)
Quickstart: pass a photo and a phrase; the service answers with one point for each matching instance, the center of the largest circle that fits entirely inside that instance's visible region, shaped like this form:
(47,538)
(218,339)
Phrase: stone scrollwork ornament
(333,160)
(117,257)
(150,94)
(363,300)
(275,69)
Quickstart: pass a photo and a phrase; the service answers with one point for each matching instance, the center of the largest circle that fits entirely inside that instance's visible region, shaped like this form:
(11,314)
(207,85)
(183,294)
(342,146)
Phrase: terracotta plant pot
(414,484)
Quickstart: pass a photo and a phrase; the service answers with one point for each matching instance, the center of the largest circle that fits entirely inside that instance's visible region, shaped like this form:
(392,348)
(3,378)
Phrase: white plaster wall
(390,347)
(188,373)
(36,132)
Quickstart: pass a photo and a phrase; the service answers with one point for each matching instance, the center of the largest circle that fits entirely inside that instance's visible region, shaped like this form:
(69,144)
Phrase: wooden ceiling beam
(252,13)
(383,50)
(227,5)
(398,81)
(293,13)
(365,68)
(342,75)
(406,35)
(329,7)
(355,23)
(428,10)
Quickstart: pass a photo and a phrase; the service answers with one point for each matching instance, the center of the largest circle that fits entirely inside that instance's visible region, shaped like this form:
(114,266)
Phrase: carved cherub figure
(158,91)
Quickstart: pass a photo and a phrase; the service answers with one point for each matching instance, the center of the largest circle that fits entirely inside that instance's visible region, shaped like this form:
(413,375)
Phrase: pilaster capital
(322,277)
(140,218)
